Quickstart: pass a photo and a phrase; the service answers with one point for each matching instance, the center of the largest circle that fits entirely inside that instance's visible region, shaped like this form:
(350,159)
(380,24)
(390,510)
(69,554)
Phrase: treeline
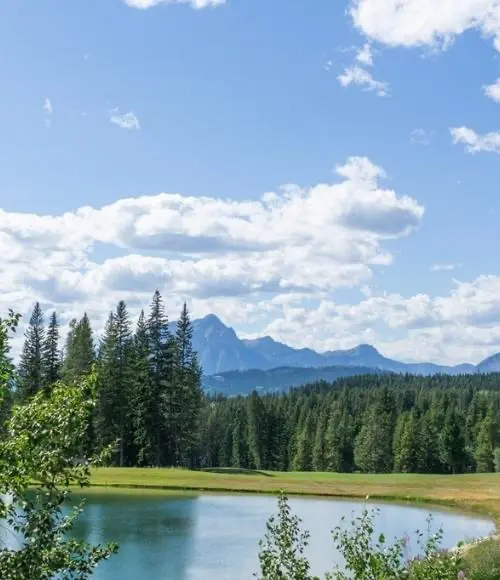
(371,424)
(150,400)
(148,382)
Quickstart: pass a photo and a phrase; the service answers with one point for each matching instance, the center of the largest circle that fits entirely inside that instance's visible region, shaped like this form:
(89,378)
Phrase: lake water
(215,537)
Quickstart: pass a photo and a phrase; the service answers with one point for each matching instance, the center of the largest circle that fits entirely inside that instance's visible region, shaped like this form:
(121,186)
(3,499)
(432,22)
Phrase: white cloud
(475,143)
(420,137)
(204,248)
(126,121)
(463,326)
(444,267)
(493,91)
(143,4)
(425,22)
(365,55)
(47,111)
(356,75)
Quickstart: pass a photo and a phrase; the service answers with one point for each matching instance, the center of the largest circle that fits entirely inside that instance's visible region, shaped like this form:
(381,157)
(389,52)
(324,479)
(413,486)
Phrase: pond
(215,537)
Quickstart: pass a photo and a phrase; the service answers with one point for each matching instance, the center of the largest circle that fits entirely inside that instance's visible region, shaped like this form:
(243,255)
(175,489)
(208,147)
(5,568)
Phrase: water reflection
(215,537)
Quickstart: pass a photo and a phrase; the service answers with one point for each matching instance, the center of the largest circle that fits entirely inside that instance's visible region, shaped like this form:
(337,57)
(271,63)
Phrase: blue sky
(103,101)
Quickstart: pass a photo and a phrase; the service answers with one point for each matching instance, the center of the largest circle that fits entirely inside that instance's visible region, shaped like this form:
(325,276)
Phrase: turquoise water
(215,537)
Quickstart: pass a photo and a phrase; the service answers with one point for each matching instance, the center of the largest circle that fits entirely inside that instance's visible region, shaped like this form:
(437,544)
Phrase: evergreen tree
(79,352)
(453,443)
(160,372)
(115,366)
(51,356)
(257,432)
(373,445)
(30,373)
(318,451)
(484,448)
(407,445)
(429,452)
(185,393)
(303,456)
(141,395)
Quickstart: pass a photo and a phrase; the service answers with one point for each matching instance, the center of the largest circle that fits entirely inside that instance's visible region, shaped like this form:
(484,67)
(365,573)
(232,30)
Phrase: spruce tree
(185,392)
(257,431)
(79,353)
(373,445)
(484,448)
(318,451)
(453,443)
(51,356)
(115,366)
(303,455)
(142,396)
(160,372)
(30,369)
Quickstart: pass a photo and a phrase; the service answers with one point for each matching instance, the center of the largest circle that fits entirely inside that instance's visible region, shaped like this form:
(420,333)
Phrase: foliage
(482,562)
(497,459)
(373,424)
(366,558)
(38,464)
(366,555)
(282,551)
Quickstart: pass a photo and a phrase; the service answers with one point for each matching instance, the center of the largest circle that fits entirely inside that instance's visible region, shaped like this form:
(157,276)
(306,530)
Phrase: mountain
(490,364)
(220,350)
(281,379)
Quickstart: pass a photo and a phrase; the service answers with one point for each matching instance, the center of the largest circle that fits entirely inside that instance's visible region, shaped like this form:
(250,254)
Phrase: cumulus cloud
(143,4)
(425,22)
(493,91)
(463,326)
(295,241)
(474,142)
(126,121)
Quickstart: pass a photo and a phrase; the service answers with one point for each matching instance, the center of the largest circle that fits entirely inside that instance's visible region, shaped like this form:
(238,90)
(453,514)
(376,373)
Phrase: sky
(323,172)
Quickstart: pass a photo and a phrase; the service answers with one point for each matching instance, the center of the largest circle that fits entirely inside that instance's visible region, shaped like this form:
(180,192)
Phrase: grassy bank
(480,493)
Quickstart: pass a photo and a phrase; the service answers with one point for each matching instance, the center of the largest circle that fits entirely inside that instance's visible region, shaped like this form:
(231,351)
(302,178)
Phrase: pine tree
(257,432)
(373,445)
(30,367)
(160,372)
(484,448)
(79,352)
(303,456)
(453,443)
(318,451)
(429,460)
(141,395)
(115,368)
(51,356)
(185,394)
(406,447)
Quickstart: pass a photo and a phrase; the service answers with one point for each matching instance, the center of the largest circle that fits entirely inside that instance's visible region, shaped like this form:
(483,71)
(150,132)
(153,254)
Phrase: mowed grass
(477,492)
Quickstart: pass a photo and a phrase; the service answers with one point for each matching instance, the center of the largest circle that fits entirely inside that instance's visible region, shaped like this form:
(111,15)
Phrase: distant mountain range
(220,350)
(235,365)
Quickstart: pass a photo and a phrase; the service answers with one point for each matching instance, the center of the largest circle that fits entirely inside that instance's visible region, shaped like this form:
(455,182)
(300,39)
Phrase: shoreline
(473,494)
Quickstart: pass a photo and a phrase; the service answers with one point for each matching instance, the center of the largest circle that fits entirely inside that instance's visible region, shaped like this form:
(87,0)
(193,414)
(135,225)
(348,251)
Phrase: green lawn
(480,493)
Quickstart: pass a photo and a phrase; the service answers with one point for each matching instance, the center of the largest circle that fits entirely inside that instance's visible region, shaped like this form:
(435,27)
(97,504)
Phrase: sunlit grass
(477,492)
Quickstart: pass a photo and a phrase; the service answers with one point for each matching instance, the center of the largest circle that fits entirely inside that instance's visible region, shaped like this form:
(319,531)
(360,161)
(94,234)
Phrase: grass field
(480,493)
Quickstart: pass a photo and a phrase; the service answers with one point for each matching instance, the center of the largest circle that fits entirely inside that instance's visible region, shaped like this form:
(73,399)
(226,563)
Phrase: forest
(151,403)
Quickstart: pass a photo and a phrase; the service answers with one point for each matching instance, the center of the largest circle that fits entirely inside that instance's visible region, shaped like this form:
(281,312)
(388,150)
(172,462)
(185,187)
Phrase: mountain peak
(211,320)
(365,349)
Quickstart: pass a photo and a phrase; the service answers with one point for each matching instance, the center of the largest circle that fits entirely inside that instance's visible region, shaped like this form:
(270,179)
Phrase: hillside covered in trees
(150,400)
